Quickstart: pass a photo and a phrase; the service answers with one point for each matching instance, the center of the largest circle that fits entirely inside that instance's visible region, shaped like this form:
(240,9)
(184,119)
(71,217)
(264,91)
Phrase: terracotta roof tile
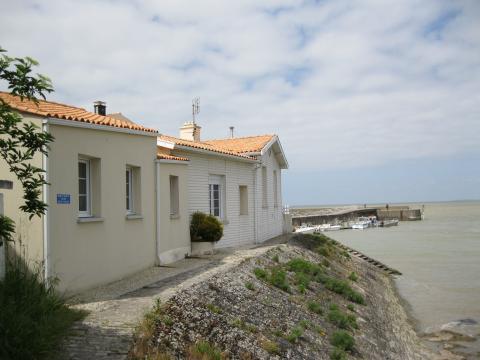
(171,157)
(67,112)
(203,146)
(242,145)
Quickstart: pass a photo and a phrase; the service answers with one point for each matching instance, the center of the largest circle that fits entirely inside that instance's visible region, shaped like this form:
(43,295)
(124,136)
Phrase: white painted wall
(238,229)
(269,218)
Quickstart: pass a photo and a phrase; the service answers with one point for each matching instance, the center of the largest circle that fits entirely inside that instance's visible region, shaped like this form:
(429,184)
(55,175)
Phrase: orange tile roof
(203,146)
(249,144)
(67,112)
(171,157)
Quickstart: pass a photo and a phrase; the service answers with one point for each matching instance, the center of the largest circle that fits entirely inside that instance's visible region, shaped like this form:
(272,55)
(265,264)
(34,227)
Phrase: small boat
(333,228)
(305,229)
(360,225)
(388,223)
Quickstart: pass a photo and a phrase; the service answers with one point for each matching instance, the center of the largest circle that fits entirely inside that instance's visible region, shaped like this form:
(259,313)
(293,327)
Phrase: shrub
(260,273)
(275,258)
(205,227)
(338,354)
(342,340)
(204,351)
(33,317)
(299,265)
(315,307)
(302,279)
(353,276)
(350,307)
(341,287)
(342,320)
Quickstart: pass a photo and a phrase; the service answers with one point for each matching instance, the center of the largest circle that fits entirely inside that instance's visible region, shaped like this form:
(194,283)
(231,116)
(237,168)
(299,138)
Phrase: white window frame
(216,180)
(275,189)
(88,211)
(129,191)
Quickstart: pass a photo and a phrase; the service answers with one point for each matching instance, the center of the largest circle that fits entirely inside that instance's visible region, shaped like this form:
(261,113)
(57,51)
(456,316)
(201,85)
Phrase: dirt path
(107,331)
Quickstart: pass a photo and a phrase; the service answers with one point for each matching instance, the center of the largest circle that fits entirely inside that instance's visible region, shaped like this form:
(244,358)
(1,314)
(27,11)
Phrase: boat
(388,223)
(333,228)
(305,229)
(360,225)
(327,227)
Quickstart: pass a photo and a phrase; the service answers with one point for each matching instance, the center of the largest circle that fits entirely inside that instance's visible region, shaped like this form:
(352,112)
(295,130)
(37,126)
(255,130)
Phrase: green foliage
(315,307)
(275,258)
(302,279)
(249,285)
(351,307)
(19,141)
(342,340)
(214,309)
(342,320)
(7,228)
(204,227)
(33,317)
(260,273)
(294,334)
(338,354)
(326,263)
(341,287)
(205,351)
(278,278)
(302,288)
(299,265)
(353,276)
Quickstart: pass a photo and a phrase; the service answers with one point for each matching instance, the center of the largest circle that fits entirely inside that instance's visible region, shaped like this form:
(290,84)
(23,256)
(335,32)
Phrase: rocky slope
(296,301)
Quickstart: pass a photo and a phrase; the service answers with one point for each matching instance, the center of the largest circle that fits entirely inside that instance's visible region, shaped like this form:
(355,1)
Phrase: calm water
(439,258)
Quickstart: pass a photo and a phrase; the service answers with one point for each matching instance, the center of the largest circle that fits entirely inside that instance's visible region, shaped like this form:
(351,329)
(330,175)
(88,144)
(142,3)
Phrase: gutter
(157,211)
(255,230)
(46,218)
(215,153)
(84,125)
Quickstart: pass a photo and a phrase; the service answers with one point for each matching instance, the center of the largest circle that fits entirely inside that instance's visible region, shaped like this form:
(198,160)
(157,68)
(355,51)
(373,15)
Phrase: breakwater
(315,217)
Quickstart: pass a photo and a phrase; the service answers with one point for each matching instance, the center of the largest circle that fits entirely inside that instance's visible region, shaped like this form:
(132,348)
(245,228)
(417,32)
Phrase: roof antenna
(195,107)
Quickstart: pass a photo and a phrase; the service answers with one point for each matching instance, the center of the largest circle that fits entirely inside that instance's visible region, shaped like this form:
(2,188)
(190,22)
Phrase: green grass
(338,354)
(275,258)
(249,285)
(299,265)
(315,307)
(353,276)
(214,309)
(342,340)
(342,320)
(351,307)
(278,278)
(33,317)
(205,351)
(341,287)
(294,334)
(260,273)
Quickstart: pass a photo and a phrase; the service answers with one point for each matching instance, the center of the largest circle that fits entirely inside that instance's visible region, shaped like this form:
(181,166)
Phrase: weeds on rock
(270,346)
(342,320)
(353,276)
(278,278)
(294,334)
(203,350)
(342,340)
(275,258)
(249,285)
(351,307)
(260,273)
(315,307)
(338,354)
(341,287)
(214,309)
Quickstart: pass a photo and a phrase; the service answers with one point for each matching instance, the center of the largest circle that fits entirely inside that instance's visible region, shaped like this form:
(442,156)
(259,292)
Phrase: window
(132,190)
(264,187)
(216,195)
(275,189)
(84,188)
(129,186)
(174,196)
(243,200)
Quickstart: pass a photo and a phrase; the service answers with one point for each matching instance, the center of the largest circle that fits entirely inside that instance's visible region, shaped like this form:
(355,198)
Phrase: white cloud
(342,83)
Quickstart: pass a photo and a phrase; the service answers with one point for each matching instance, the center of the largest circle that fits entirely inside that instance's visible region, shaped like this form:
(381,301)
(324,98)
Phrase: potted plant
(205,231)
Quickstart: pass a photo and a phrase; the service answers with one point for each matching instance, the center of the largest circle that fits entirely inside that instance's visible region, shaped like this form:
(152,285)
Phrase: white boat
(388,223)
(305,229)
(323,227)
(333,228)
(360,225)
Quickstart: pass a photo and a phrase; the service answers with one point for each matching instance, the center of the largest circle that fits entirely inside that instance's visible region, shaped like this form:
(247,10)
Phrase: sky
(373,101)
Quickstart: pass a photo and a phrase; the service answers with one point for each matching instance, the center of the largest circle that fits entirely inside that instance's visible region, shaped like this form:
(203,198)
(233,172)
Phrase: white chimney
(190,131)
(231,131)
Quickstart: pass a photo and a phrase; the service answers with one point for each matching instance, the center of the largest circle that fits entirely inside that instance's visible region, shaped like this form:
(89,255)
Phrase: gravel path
(114,310)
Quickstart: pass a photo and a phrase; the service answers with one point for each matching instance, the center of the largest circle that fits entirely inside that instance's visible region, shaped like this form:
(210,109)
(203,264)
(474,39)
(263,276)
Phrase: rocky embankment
(304,300)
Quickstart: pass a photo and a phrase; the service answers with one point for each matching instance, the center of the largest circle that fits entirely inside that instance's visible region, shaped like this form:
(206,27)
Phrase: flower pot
(202,248)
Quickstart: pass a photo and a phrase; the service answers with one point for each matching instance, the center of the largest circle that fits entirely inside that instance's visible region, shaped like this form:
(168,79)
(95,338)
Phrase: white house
(236,179)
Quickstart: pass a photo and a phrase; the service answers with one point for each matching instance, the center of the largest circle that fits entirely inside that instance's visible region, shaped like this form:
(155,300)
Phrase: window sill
(90,219)
(133,216)
(174,216)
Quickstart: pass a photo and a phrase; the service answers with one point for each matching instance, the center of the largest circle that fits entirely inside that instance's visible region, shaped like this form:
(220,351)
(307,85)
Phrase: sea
(439,258)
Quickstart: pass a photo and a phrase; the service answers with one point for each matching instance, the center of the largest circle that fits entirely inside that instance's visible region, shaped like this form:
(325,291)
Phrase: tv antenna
(195,107)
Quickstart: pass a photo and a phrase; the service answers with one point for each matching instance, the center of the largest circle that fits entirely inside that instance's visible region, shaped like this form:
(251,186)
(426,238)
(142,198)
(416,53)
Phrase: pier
(309,216)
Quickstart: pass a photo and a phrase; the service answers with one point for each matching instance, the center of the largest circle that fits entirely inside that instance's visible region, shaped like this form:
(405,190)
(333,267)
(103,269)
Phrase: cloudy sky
(374,101)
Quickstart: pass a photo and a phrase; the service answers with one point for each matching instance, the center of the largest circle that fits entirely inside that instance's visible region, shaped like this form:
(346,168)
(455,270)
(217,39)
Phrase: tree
(19,141)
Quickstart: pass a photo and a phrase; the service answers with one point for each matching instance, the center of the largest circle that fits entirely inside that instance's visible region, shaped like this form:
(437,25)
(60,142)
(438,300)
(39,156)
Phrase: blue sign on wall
(63,198)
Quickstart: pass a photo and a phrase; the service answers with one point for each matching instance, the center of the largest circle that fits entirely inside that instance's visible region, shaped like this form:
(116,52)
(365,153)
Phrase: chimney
(190,131)
(100,107)
(231,131)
